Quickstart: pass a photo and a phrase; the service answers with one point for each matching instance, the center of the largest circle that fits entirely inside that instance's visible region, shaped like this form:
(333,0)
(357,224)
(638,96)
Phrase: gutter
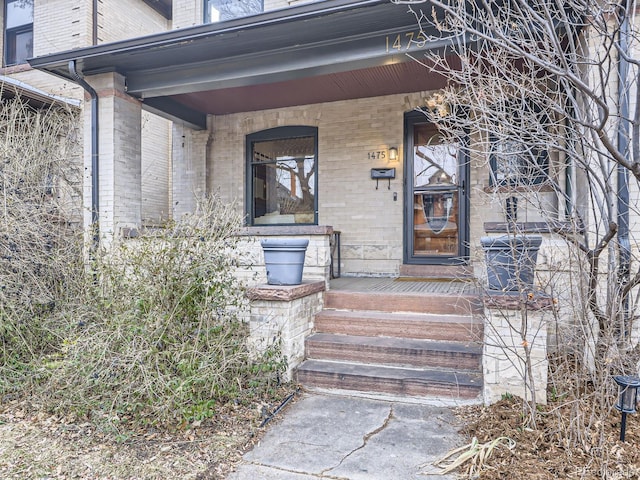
(187,35)
(624,245)
(95,164)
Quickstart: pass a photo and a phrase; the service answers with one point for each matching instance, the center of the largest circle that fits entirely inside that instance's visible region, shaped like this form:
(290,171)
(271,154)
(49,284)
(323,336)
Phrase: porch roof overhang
(318,52)
(11,88)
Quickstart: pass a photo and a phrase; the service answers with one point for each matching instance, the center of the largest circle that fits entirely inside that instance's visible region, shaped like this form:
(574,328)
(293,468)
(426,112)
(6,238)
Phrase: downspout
(94,23)
(95,164)
(624,245)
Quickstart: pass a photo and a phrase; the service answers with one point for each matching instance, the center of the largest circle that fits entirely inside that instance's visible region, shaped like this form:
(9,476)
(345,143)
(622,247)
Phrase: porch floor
(404,285)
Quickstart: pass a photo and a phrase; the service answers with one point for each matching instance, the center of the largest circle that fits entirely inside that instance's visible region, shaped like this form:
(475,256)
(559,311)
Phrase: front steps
(398,344)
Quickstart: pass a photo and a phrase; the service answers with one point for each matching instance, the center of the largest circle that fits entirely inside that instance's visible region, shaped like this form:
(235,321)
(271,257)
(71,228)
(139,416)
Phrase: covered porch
(240,92)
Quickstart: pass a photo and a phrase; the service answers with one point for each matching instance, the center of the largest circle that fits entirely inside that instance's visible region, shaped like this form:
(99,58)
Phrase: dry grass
(38,446)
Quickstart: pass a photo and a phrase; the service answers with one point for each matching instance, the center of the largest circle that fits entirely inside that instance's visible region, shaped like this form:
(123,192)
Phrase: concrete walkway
(337,437)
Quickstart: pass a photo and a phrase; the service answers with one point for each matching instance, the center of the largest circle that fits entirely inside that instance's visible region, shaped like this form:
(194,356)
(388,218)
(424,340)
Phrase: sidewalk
(324,436)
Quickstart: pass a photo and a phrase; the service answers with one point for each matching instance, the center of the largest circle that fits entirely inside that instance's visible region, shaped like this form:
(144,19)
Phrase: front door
(436,203)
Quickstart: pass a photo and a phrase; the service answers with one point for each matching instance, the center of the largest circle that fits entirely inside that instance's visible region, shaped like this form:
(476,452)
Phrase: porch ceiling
(318,52)
(370,82)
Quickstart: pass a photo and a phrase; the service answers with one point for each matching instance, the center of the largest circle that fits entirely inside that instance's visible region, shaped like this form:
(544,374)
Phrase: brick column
(189,169)
(120,158)
(284,315)
(504,358)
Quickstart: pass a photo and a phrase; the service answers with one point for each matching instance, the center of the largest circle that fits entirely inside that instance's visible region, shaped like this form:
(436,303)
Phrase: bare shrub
(167,343)
(148,330)
(40,245)
(543,94)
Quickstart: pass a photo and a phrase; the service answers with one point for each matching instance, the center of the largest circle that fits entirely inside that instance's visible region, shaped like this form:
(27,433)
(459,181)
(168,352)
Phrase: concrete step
(380,379)
(462,328)
(407,352)
(453,304)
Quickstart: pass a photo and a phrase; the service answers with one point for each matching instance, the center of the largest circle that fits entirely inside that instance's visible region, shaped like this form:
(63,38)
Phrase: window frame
(10,35)
(207,19)
(541,168)
(277,133)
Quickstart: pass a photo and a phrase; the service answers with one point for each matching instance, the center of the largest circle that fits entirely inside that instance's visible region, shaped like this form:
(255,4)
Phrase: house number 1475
(377,155)
(405,41)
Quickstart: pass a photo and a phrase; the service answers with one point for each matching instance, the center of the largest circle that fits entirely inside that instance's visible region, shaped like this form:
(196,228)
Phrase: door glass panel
(435,194)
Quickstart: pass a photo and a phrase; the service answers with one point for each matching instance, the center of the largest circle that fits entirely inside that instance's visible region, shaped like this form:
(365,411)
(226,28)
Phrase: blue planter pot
(284,260)
(511,261)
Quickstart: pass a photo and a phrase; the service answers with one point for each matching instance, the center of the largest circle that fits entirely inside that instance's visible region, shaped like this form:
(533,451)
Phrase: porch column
(119,130)
(189,168)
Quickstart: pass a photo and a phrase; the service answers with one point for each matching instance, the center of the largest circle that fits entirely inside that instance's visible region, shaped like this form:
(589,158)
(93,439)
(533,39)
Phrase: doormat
(435,279)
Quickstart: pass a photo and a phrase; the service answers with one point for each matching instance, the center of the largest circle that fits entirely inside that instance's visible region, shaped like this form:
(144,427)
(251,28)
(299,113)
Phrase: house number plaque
(377,155)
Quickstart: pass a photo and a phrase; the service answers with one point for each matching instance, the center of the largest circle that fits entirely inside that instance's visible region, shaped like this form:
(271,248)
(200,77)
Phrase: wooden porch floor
(403,285)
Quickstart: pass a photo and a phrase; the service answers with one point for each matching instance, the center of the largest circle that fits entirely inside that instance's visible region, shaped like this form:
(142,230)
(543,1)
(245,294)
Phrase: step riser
(394,356)
(397,327)
(437,304)
(386,386)
(390,353)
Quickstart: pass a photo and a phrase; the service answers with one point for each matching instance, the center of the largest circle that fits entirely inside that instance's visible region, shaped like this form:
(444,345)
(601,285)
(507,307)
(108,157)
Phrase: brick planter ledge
(285,293)
(515,301)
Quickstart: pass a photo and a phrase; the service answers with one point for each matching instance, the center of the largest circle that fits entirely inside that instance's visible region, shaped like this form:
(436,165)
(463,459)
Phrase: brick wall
(60,25)
(317,258)
(504,359)
(189,153)
(122,19)
(120,159)
(187,13)
(284,322)
(156,169)
(370,220)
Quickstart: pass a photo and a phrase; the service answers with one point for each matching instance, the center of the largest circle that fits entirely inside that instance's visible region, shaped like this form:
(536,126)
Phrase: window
(220,10)
(519,154)
(18,31)
(282,176)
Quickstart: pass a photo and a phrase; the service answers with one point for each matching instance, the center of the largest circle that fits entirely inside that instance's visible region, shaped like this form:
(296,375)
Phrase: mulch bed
(546,452)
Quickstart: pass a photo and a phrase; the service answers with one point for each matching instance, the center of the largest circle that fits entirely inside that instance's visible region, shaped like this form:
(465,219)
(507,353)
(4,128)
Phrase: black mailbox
(383,174)
(379,173)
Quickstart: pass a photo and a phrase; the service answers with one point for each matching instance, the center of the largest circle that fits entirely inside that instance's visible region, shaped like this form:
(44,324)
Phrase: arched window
(282,180)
